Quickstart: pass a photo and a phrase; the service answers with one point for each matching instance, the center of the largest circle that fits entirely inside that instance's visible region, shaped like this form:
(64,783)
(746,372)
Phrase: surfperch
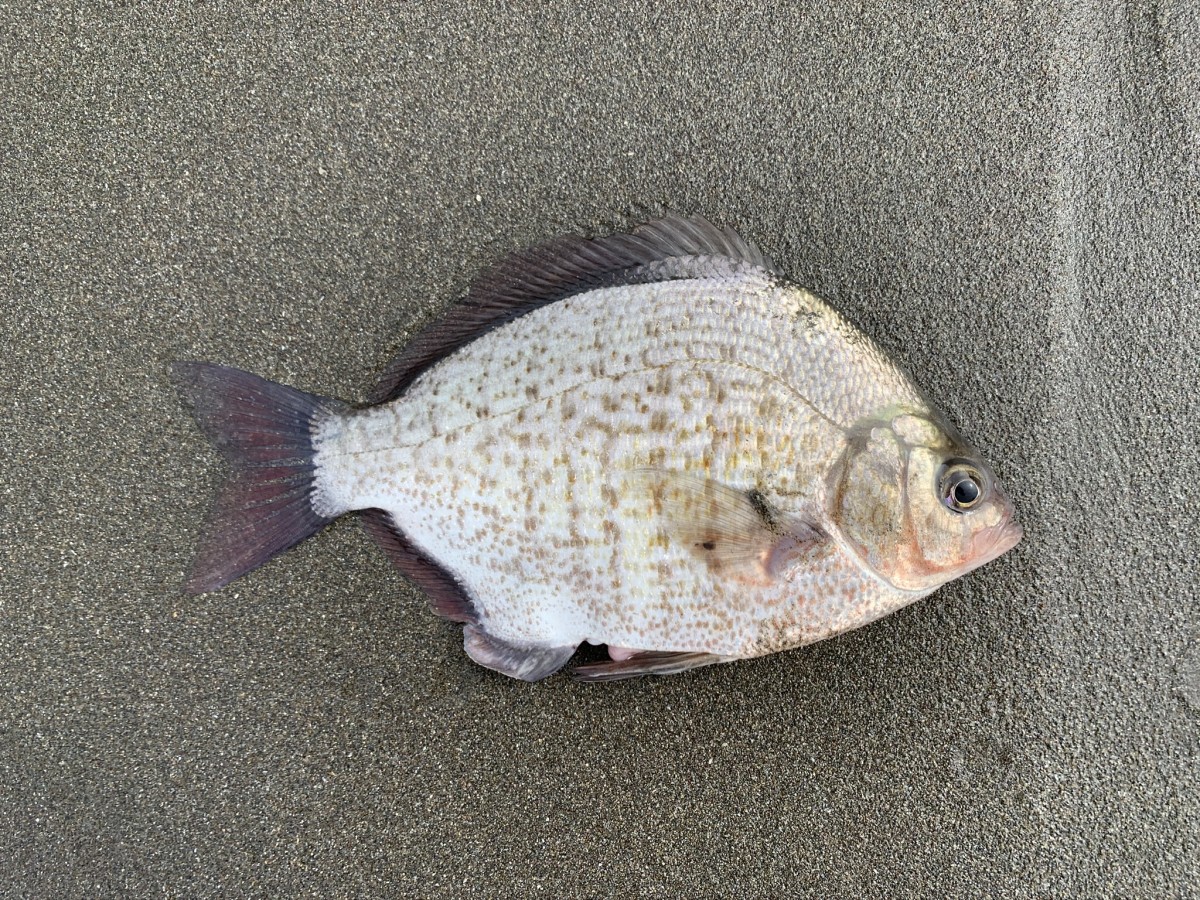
(652,441)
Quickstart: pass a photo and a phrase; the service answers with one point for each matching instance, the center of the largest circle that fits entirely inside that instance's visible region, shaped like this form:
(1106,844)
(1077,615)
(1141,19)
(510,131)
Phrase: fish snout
(996,540)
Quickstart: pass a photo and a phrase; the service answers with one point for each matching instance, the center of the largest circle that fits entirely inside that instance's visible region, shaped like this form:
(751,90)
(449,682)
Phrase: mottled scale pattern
(520,463)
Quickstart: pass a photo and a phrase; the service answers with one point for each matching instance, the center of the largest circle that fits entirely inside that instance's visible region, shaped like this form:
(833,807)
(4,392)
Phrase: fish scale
(650,441)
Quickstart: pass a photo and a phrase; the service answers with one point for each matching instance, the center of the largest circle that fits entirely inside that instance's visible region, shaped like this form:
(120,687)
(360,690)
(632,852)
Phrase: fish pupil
(708,545)
(960,485)
(966,492)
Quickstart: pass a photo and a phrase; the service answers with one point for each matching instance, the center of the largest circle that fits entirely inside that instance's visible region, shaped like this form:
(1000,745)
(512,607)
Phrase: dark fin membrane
(265,431)
(647,663)
(669,249)
(525,663)
(446,595)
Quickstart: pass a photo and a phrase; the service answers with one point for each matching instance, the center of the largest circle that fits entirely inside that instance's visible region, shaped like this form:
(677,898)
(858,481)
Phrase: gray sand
(1006,201)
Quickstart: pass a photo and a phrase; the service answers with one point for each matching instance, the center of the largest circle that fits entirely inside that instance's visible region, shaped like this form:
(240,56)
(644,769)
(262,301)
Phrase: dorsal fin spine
(528,279)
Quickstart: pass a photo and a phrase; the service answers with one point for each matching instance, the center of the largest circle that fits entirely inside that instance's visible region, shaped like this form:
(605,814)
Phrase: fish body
(650,441)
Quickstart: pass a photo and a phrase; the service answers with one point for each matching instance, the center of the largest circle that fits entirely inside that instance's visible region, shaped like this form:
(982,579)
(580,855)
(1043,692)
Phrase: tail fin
(265,431)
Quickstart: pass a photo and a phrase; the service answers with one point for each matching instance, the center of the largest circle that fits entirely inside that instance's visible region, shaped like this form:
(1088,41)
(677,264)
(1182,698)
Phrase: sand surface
(1007,200)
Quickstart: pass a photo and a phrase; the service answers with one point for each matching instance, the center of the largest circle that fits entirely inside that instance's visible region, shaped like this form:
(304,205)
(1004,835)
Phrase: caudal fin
(265,431)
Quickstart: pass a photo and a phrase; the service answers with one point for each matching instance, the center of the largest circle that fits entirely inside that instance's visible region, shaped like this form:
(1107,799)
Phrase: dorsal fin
(664,250)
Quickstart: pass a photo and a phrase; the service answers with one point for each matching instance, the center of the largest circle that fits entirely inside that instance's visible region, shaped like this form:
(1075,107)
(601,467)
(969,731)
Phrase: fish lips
(996,540)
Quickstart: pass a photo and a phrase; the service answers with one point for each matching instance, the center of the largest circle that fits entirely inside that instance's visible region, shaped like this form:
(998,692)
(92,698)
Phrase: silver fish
(651,441)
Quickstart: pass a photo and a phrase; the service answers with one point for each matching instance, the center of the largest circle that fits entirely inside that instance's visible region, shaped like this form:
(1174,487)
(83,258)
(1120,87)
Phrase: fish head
(917,506)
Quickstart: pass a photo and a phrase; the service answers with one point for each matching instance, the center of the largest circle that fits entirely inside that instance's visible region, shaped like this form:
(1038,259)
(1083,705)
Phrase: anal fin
(446,596)
(646,663)
(524,663)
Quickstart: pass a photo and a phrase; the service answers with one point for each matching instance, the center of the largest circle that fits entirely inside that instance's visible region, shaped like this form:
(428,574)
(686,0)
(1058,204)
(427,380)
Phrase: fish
(650,441)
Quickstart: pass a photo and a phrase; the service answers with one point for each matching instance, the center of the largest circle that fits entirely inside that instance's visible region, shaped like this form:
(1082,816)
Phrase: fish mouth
(995,541)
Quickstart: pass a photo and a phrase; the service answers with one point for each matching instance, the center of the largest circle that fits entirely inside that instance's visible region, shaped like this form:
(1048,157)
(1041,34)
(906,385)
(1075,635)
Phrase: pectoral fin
(735,532)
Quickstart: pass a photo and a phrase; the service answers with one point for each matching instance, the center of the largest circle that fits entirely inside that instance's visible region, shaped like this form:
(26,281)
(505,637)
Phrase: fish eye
(960,486)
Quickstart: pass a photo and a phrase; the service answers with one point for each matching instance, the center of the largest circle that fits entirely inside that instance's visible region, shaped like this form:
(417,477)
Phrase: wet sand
(1006,201)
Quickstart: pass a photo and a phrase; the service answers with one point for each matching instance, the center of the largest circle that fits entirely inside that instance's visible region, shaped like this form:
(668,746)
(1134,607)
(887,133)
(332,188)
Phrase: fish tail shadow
(265,431)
